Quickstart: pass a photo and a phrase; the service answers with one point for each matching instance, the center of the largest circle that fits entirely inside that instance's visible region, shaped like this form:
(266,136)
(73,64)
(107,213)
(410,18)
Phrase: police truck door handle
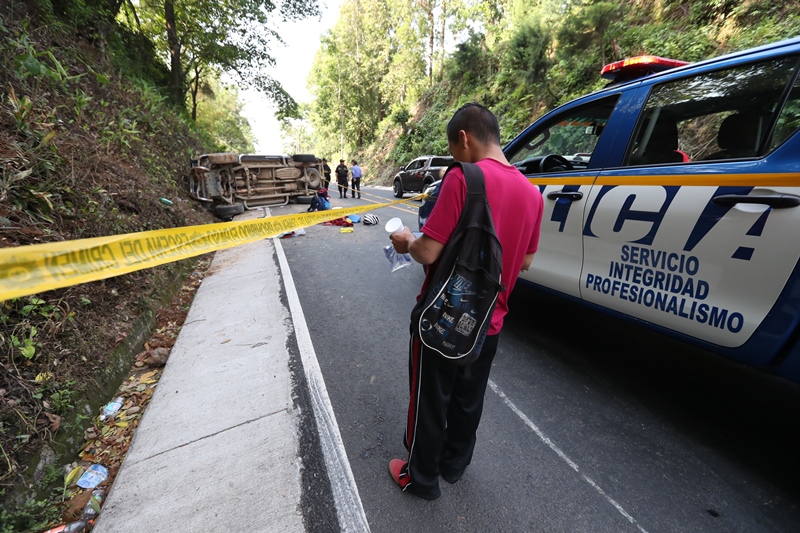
(572,196)
(776,201)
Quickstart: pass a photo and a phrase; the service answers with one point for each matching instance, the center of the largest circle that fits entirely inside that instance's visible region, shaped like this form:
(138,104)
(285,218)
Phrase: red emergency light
(636,67)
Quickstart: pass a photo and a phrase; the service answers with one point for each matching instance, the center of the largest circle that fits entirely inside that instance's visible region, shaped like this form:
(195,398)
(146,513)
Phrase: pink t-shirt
(517,213)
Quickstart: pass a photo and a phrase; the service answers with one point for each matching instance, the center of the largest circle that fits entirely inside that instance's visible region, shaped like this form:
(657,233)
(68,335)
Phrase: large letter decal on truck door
(638,214)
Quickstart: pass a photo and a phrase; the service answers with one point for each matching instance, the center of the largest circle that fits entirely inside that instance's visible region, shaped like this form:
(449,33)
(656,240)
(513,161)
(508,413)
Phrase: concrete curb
(236,429)
(217,447)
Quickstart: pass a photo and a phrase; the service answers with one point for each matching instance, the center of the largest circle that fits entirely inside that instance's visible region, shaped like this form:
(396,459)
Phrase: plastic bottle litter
(87,517)
(396,260)
(89,512)
(165,201)
(111,408)
(93,476)
(72,527)
(76,527)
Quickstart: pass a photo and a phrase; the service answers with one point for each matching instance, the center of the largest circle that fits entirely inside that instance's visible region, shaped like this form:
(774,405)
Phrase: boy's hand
(401,240)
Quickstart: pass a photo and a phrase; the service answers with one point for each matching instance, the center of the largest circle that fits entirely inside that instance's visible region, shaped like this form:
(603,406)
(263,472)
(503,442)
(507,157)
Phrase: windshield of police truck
(572,135)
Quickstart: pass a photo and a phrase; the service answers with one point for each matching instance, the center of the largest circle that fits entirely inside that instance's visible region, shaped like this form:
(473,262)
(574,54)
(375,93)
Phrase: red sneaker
(398,469)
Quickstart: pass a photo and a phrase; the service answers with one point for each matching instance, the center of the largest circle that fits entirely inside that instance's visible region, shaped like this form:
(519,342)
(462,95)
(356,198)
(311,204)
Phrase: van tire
(228,211)
(304,199)
(314,178)
(304,158)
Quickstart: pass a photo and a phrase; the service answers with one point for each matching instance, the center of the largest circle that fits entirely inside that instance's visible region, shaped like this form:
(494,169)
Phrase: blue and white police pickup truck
(683,209)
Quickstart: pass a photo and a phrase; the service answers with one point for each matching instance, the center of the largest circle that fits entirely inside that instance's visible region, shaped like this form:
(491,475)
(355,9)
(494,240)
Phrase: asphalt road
(591,424)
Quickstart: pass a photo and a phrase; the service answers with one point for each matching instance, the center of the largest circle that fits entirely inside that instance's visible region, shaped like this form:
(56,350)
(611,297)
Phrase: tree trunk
(379,100)
(427,8)
(431,46)
(194,87)
(130,5)
(442,31)
(176,77)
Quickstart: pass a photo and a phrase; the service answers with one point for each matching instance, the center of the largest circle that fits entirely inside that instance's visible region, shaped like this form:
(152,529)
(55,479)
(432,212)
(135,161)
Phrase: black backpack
(453,316)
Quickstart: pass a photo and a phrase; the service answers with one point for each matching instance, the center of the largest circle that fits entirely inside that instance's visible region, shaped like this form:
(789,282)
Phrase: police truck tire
(397,188)
(304,158)
(227,212)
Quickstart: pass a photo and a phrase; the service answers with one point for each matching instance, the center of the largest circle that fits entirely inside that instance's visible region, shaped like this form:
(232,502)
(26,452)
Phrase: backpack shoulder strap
(473,176)
(476,208)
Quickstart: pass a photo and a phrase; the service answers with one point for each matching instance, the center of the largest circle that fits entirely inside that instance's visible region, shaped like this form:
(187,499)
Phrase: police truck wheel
(398,189)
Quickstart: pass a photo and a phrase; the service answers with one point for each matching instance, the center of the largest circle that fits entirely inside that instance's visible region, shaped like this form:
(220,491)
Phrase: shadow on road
(744,414)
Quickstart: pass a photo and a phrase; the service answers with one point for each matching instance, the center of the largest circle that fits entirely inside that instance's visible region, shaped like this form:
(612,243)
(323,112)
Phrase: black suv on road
(420,173)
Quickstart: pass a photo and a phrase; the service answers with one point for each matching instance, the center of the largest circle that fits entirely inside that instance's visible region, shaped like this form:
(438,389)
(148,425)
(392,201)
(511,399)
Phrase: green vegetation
(519,58)
(102,102)
(91,137)
(204,37)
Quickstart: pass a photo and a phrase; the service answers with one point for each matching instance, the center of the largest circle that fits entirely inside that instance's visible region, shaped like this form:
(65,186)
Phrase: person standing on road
(355,170)
(446,400)
(341,178)
(326,174)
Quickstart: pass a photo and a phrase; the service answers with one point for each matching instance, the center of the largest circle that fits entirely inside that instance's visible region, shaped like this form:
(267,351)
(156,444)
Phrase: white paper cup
(394,225)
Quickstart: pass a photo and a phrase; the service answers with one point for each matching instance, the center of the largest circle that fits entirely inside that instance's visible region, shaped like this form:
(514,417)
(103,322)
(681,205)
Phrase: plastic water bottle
(88,512)
(72,527)
(76,527)
(396,260)
(111,408)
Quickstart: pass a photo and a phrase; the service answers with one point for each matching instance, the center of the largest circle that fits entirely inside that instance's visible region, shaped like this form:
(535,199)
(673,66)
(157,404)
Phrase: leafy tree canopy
(200,37)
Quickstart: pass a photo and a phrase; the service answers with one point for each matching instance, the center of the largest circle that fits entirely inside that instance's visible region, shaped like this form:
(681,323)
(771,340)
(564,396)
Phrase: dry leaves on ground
(107,442)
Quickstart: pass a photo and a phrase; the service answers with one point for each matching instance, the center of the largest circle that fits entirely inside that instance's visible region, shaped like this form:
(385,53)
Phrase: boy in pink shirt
(446,400)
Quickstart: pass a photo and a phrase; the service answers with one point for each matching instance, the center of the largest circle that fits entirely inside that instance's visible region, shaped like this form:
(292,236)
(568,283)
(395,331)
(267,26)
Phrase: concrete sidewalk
(228,442)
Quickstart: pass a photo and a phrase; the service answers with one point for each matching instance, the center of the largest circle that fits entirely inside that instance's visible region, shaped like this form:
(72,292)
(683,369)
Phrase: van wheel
(304,199)
(314,178)
(398,189)
(227,212)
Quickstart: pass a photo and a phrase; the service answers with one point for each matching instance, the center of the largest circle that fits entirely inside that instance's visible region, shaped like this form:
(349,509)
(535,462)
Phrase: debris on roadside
(338,222)
(154,358)
(108,440)
(111,408)
(290,234)
(93,476)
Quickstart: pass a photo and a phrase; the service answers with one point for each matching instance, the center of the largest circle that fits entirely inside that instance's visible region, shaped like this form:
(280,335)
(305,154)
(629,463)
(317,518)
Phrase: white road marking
(561,454)
(343,484)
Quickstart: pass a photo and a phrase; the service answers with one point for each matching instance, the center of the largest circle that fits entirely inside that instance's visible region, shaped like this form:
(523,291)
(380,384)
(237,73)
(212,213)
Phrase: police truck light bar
(636,67)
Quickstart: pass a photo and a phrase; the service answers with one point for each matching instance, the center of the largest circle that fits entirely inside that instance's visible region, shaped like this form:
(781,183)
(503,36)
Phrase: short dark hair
(354,162)
(477,120)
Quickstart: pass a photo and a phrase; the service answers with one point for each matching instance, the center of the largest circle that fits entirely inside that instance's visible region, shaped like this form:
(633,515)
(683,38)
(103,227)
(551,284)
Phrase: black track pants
(356,183)
(445,406)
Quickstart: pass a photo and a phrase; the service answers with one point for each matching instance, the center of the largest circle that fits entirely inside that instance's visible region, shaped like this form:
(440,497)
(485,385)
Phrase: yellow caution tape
(26,270)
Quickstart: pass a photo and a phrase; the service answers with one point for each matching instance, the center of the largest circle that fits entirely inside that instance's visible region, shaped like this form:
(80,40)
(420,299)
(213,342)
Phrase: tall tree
(368,66)
(220,115)
(235,36)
